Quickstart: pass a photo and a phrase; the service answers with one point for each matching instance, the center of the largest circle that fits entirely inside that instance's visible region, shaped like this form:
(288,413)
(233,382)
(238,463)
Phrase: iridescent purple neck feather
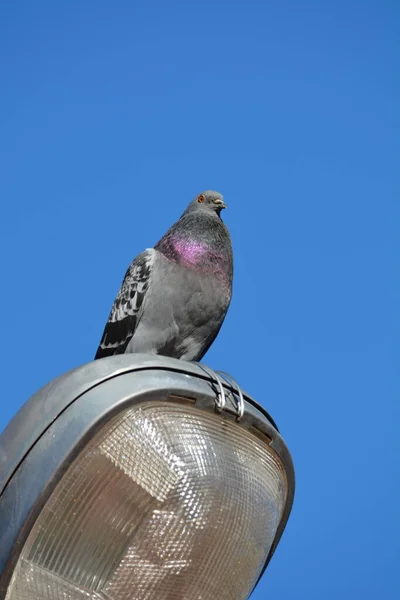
(201,242)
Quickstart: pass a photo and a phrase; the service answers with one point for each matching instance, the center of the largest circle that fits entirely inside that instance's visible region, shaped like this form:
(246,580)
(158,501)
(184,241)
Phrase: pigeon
(174,297)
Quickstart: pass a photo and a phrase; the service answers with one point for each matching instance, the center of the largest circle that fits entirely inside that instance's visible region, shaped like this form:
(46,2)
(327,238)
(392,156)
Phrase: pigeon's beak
(220,203)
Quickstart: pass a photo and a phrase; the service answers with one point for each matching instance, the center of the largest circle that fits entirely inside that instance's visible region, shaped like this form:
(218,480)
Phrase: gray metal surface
(54,425)
(49,402)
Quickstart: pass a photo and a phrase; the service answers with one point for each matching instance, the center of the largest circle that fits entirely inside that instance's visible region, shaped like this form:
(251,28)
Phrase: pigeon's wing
(128,306)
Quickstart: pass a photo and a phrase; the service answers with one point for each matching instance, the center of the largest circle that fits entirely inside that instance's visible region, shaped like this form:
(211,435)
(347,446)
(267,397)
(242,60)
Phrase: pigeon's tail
(102,352)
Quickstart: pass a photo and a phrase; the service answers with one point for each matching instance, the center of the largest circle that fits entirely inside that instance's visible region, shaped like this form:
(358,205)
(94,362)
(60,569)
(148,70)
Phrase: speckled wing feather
(128,306)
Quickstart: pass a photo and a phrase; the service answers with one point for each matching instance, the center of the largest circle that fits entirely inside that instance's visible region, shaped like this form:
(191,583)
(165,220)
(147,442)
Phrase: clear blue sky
(113,116)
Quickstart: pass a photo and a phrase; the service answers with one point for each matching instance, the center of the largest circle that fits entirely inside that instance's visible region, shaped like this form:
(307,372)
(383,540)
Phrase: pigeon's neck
(202,245)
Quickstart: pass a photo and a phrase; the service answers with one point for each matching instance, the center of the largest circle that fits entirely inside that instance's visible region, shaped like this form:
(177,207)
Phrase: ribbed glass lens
(166,502)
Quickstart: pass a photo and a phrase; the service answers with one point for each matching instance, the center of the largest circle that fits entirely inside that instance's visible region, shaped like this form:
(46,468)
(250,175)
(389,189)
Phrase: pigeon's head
(208,201)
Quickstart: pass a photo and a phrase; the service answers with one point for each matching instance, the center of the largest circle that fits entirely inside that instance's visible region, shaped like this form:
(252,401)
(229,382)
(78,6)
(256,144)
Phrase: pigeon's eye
(201,198)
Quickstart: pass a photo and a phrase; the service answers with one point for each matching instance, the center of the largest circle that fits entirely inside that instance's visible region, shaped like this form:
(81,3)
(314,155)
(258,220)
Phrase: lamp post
(140,477)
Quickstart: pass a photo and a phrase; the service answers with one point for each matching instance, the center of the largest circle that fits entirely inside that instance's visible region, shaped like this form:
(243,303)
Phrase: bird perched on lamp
(174,297)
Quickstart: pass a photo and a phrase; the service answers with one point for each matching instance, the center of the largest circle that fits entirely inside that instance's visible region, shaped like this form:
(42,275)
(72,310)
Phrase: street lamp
(137,478)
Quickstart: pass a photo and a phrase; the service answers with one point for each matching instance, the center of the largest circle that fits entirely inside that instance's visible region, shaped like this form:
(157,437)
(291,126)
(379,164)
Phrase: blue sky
(113,116)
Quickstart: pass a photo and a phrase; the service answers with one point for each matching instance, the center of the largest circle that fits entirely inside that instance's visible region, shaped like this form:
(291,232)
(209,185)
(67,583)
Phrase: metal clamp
(221,396)
(240,401)
(220,399)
